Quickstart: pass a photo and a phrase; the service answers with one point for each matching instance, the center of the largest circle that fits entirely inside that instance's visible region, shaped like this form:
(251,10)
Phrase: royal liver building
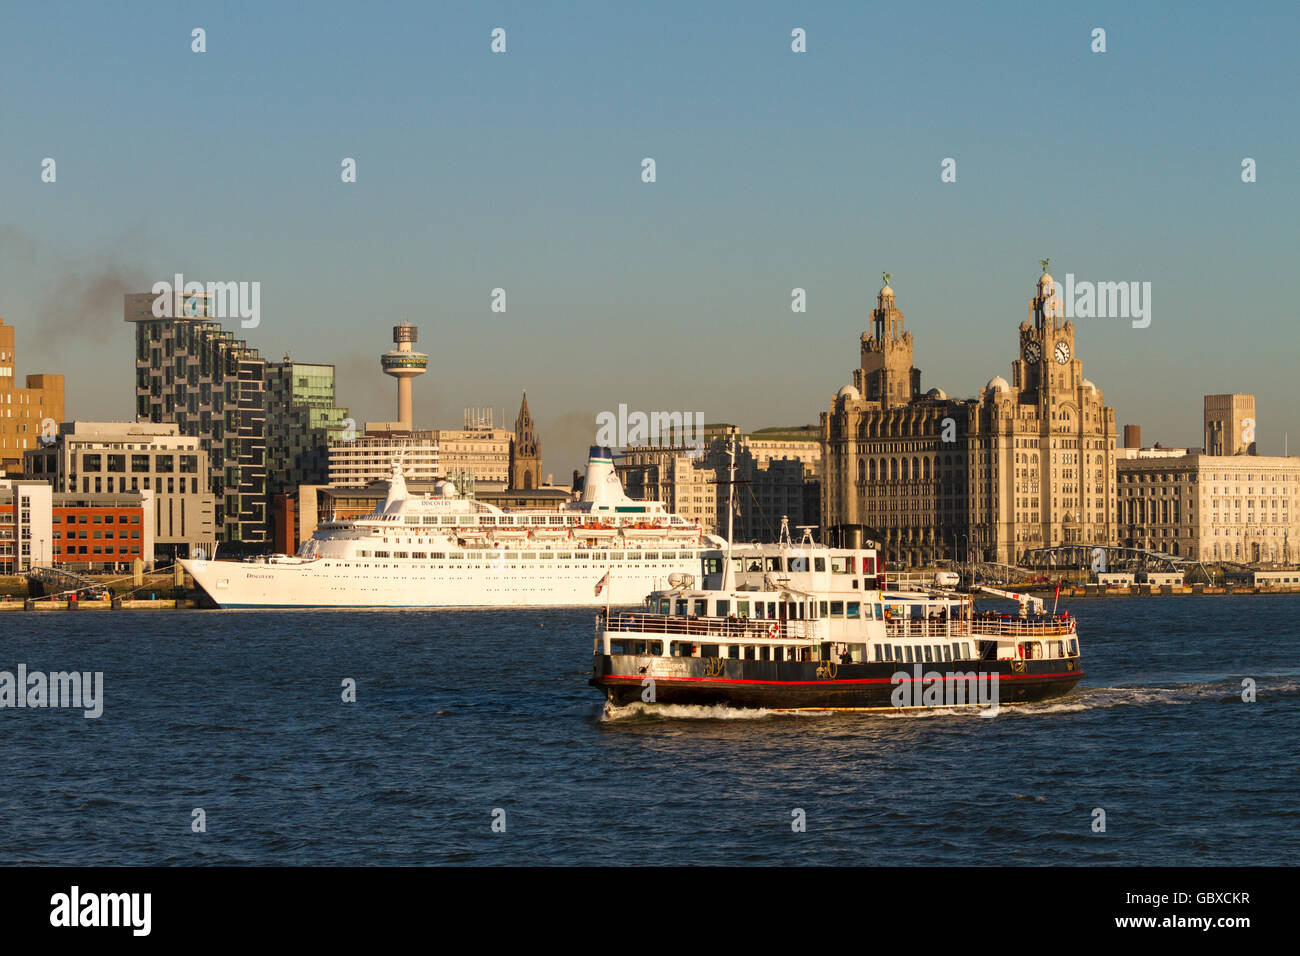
(1028,464)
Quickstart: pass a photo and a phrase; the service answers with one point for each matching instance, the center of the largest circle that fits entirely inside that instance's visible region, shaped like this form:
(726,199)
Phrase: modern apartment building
(302,423)
(93,458)
(192,372)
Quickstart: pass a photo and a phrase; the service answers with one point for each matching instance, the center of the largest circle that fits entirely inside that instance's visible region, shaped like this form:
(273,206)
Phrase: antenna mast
(727,582)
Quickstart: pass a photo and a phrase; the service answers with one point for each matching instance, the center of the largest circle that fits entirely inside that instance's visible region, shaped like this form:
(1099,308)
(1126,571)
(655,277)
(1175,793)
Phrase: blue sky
(775,170)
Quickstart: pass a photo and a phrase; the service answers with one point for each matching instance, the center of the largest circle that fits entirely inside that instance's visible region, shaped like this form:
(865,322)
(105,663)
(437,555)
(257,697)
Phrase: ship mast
(727,582)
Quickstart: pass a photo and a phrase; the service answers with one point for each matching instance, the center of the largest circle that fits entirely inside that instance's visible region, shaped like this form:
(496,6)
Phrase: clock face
(1062,353)
(1032,352)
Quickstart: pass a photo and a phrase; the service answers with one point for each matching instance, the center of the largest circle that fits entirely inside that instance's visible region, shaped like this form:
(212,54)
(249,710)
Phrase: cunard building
(1030,463)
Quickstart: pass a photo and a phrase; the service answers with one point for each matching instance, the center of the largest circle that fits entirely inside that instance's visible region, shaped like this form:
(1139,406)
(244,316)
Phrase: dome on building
(849,392)
(1088,384)
(938,394)
(998,383)
(1045,282)
(887,290)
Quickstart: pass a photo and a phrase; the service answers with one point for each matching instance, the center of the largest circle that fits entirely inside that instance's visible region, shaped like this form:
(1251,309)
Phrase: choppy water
(240,713)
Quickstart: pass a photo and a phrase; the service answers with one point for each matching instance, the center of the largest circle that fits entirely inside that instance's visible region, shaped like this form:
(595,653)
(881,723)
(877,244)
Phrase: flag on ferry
(600,585)
(1058,589)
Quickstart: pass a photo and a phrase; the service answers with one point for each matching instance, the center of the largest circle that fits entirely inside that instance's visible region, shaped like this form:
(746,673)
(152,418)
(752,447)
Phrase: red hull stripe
(822,683)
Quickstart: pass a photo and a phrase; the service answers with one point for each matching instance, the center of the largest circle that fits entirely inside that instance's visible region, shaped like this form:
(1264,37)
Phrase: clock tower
(1046,368)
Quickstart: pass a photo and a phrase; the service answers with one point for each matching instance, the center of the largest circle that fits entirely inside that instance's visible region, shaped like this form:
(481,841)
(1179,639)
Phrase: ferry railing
(979,627)
(720,629)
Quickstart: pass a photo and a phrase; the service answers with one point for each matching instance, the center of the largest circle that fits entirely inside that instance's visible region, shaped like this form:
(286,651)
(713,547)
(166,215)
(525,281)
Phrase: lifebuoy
(774,630)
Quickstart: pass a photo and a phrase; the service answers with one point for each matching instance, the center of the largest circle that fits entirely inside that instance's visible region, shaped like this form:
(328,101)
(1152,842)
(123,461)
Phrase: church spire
(525,450)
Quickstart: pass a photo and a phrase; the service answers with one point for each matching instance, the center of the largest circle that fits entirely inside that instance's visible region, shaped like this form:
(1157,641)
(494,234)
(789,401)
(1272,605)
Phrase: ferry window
(681,607)
(869,566)
(908,650)
(616,556)
(880,652)
(947,652)
(771,610)
(665,606)
(709,650)
(448,519)
(742,609)
(822,609)
(966,650)
(733,652)
(547,557)
(837,608)
(456,555)
(773,564)
(566,555)
(819,564)
(929,657)
(838,565)
(437,555)
(712,565)
(724,608)
(854,612)
(585,554)
(754,565)
(702,609)
(956,650)
(737,565)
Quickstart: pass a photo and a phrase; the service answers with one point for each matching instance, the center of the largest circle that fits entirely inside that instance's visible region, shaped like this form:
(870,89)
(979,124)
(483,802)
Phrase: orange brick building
(23,410)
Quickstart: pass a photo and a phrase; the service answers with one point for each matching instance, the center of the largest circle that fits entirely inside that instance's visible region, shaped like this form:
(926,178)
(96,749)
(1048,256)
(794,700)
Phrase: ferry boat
(815,628)
(444,550)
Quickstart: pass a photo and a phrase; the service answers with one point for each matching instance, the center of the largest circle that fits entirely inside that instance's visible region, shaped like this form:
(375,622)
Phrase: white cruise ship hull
(330,583)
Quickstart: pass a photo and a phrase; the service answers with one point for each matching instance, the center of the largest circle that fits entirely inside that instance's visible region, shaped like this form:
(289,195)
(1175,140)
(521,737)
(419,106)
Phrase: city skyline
(784,170)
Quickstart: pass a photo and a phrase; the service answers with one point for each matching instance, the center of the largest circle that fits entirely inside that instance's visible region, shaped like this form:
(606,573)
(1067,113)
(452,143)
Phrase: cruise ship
(446,550)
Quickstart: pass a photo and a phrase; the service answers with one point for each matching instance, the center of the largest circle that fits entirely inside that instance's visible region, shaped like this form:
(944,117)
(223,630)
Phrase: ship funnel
(396,488)
(601,484)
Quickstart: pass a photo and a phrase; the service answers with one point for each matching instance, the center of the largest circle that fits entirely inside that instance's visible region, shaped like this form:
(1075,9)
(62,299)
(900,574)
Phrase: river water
(468,719)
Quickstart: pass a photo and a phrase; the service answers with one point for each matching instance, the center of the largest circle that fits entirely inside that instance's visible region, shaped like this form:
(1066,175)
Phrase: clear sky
(775,170)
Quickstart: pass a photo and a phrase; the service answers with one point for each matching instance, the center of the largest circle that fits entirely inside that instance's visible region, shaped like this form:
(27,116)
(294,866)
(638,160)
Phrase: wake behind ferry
(814,628)
(442,550)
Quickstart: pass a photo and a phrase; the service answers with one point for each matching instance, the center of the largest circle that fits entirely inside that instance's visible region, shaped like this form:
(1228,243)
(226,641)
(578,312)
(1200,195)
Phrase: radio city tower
(404,363)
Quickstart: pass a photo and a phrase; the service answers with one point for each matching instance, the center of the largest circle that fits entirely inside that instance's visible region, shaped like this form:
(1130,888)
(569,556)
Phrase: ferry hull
(780,685)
